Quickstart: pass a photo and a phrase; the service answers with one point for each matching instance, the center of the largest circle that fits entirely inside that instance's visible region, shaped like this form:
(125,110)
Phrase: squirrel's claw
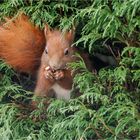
(59,74)
(48,73)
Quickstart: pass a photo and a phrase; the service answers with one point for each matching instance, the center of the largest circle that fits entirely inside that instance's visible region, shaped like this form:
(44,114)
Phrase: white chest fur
(61,93)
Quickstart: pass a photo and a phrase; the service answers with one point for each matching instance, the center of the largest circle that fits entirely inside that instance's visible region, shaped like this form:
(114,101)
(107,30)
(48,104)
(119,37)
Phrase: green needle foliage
(109,105)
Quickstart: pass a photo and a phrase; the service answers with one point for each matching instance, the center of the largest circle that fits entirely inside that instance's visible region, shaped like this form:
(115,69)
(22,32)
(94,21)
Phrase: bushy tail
(21,44)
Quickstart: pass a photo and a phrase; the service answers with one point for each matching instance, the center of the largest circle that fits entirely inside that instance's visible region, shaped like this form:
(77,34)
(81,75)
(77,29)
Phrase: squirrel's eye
(46,51)
(66,52)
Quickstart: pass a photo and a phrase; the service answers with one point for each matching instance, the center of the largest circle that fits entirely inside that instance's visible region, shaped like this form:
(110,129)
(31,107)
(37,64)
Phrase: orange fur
(21,44)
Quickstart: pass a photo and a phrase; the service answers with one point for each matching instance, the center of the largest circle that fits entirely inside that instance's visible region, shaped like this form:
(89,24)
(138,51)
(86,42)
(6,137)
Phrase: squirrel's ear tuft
(70,35)
(47,30)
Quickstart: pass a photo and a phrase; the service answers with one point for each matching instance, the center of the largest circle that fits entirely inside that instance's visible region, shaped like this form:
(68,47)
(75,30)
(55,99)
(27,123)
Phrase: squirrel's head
(58,51)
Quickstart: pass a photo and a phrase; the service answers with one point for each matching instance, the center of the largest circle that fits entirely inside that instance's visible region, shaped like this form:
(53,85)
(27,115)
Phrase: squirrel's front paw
(59,74)
(48,73)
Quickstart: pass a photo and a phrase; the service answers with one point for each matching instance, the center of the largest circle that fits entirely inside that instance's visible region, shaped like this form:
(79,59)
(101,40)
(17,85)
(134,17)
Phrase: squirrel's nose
(54,67)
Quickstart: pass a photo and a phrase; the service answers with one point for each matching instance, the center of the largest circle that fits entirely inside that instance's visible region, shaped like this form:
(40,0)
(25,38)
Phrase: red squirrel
(53,73)
(22,44)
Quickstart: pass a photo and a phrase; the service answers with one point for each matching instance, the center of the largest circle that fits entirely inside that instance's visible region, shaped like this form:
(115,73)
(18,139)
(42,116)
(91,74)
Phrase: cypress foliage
(109,107)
